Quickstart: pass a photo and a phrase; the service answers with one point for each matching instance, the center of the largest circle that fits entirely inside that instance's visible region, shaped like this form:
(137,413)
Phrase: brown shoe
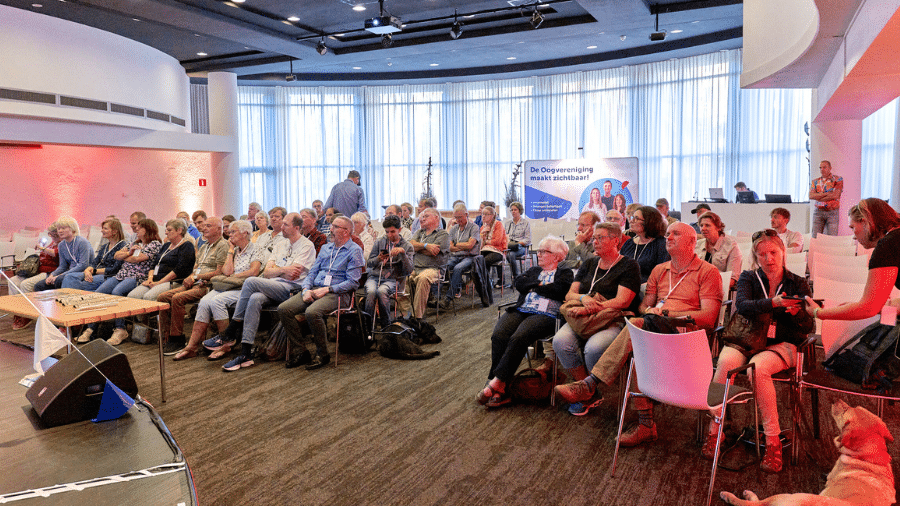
(578,391)
(638,434)
(185,354)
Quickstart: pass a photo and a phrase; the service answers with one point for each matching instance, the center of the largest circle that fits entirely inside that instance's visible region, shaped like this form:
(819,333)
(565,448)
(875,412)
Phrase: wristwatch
(665,312)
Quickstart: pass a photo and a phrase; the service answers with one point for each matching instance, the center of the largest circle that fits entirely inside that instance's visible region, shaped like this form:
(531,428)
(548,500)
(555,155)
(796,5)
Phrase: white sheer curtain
(879,132)
(687,121)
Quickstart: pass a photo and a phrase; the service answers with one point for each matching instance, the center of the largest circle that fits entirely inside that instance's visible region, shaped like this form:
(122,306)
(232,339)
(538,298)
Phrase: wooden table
(69,317)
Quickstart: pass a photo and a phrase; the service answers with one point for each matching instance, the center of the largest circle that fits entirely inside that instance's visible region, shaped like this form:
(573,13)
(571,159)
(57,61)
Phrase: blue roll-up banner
(562,189)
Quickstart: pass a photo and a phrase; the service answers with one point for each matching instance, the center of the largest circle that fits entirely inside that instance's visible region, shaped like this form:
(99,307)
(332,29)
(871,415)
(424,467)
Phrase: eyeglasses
(598,238)
(635,218)
(767,232)
(340,227)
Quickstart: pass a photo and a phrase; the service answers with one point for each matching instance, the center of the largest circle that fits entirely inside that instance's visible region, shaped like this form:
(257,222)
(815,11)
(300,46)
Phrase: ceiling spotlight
(658,35)
(321,48)
(386,40)
(622,38)
(536,19)
(456,29)
(291,77)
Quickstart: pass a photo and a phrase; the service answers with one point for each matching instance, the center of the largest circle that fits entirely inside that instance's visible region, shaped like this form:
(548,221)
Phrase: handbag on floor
(534,385)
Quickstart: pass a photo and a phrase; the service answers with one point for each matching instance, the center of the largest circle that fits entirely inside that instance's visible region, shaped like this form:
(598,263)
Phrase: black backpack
(868,359)
(29,267)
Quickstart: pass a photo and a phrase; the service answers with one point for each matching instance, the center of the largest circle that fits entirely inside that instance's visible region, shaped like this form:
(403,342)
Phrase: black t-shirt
(625,272)
(180,260)
(887,253)
(648,255)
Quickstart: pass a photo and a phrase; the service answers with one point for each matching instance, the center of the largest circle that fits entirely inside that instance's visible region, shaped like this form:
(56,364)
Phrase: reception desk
(752,217)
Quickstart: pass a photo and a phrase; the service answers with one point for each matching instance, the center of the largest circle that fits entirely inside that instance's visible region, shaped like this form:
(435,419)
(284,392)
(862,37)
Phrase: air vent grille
(178,121)
(126,109)
(28,96)
(83,103)
(157,115)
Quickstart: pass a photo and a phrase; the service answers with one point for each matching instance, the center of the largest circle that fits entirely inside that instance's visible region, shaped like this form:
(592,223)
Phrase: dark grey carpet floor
(379,431)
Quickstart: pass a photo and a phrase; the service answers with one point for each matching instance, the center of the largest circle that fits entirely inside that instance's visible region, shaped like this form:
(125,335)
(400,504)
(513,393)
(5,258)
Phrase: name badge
(542,305)
(327,280)
(156,271)
(197,272)
(771,332)
(136,253)
(660,303)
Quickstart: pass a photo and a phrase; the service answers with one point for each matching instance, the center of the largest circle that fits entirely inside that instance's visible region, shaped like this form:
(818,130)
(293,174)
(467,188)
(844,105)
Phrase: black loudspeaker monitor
(71,390)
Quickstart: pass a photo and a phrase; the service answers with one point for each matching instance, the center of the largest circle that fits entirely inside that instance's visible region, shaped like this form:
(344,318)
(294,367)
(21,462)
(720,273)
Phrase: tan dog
(862,474)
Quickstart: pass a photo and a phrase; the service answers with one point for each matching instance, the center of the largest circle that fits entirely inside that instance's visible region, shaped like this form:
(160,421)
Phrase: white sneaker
(118,336)
(85,336)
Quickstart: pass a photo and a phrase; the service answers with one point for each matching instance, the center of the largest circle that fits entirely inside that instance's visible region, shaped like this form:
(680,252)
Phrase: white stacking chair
(796,263)
(807,238)
(742,239)
(833,251)
(849,269)
(833,240)
(24,245)
(837,290)
(687,386)
(7,255)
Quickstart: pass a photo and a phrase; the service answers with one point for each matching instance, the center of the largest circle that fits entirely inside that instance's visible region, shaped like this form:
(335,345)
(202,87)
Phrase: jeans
(76,280)
(513,333)
(825,222)
(255,294)
(382,292)
(214,305)
(568,346)
(513,258)
(151,294)
(457,266)
(115,287)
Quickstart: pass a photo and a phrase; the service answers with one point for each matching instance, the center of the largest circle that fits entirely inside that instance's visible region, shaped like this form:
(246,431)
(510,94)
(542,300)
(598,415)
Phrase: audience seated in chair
(648,247)
(48,259)
(465,245)
(763,291)
(541,291)
(617,279)
(208,264)
(717,248)
(309,230)
(582,247)
(493,241)
(518,233)
(243,260)
(683,286)
(432,248)
(104,264)
(286,268)
(75,254)
(390,261)
(331,283)
(137,262)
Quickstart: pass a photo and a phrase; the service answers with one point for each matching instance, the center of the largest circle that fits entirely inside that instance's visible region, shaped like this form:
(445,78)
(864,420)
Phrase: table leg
(162,363)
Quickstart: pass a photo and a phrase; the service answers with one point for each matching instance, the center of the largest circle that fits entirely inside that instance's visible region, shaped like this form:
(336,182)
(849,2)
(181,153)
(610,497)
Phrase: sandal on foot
(498,400)
(485,395)
(709,448)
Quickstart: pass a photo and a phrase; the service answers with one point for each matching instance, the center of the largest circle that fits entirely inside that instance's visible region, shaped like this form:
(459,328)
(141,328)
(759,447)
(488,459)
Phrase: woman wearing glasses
(541,291)
(617,278)
(768,289)
(717,248)
(648,247)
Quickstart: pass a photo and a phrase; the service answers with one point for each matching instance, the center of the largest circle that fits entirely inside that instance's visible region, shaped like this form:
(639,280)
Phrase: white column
(223,120)
(839,142)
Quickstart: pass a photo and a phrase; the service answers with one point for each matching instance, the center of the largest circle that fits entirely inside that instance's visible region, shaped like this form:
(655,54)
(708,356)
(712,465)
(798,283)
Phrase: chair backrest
(827,251)
(673,368)
(796,263)
(740,239)
(836,290)
(741,233)
(807,238)
(849,269)
(837,332)
(832,240)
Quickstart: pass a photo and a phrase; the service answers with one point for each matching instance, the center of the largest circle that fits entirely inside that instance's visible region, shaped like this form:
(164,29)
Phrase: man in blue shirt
(741,187)
(331,283)
(347,197)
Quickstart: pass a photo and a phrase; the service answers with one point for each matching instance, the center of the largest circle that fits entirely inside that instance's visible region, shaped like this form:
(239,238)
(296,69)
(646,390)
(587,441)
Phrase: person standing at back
(347,197)
(826,192)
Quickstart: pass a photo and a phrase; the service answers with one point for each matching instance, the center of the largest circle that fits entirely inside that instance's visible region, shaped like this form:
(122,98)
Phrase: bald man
(683,286)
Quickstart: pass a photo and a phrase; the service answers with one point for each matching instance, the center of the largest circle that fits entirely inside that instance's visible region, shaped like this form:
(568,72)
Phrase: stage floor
(129,460)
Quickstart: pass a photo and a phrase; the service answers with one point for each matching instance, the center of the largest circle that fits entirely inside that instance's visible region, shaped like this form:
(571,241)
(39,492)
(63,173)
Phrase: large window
(687,121)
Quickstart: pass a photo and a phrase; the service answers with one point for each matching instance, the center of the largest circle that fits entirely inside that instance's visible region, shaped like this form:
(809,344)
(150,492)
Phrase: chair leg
(622,418)
(337,335)
(814,406)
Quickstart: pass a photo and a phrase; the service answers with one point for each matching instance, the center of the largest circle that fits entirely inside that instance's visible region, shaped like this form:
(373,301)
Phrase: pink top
(493,240)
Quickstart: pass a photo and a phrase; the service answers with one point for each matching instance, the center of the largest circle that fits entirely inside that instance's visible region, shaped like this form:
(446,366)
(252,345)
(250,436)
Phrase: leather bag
(222,283)
(587,324)
(745,335)
(534,385)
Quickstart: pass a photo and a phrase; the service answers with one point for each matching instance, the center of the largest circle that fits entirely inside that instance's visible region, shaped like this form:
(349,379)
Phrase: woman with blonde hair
(493,240)
(262,223)
(104,264)
(75,254)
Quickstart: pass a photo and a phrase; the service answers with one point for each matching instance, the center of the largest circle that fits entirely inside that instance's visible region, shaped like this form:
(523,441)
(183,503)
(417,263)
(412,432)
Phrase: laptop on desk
(717,195)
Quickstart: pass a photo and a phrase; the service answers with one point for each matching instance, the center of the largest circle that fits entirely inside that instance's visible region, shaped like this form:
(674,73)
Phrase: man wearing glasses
(331,282)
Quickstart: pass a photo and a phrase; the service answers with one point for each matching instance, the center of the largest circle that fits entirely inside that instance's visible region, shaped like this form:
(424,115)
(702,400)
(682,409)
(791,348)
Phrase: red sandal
(772,462)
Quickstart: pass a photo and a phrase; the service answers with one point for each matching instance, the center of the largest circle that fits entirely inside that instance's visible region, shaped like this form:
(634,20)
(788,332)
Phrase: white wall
(776,33)
(50,55)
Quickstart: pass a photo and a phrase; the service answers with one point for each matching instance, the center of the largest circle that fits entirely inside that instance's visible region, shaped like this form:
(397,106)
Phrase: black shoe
(301,359)
(173,346)
(319,362)
(445,304)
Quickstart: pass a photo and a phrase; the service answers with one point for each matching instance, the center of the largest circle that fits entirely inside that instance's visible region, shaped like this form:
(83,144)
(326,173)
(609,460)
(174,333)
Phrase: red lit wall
(89,183)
